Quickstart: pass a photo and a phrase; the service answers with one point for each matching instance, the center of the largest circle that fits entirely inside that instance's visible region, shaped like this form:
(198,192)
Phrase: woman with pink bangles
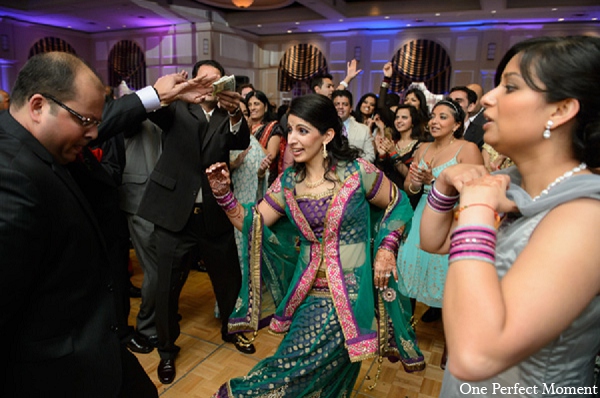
(521,300)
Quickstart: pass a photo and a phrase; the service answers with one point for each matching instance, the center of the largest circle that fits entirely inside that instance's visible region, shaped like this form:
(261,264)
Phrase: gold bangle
(411,191)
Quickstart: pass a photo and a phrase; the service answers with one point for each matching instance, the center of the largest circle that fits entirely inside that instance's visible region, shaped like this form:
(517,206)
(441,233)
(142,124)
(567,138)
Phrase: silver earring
(547,132)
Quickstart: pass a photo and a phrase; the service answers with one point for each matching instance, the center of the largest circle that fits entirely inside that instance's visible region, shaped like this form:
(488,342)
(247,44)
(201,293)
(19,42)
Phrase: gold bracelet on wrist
(410,189)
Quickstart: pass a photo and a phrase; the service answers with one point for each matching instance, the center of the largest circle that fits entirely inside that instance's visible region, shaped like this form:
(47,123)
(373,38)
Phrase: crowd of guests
(324,221)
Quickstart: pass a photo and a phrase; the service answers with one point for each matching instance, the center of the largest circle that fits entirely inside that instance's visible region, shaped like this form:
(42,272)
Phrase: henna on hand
(218,178)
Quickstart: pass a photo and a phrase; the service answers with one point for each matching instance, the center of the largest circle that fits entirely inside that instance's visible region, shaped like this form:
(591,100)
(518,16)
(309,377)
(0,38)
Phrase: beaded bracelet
(439,202)
(497,218)
(227,202)
(473,242)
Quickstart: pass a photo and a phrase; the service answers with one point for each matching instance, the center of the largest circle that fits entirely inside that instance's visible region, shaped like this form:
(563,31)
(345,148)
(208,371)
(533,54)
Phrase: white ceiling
(277,17)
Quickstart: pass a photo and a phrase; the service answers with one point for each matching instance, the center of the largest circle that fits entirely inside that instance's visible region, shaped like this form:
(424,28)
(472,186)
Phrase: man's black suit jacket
(475,132)
(58,315)
(190,145)
(59,295)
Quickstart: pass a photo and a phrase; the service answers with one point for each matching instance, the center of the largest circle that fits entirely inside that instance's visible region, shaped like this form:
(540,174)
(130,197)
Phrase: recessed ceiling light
(387,17)
(407,24)
(124,26)
(310,30)
(289,31)
(437,14)
(69,27)
(259,26)
(594,19)
(341,20)
(493,11)
(108,27)
(560,19)
(554,9)
(297,23)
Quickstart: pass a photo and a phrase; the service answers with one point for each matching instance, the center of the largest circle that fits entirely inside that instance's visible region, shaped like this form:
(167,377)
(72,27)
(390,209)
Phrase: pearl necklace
(582,166)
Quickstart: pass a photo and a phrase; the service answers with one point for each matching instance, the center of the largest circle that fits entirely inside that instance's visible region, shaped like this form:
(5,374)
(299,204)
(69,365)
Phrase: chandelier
(242,3)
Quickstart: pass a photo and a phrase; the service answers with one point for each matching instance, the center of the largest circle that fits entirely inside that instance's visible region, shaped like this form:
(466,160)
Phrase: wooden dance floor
(205,361)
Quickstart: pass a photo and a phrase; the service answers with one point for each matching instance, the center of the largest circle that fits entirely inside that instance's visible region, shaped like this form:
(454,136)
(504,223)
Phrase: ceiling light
(594,19)
(297,23)
(560,19)
(259,26)
(493,11)
(437,14)
(554,9)
(387,17)
(242,3)
(289,31)
(340,20)
(407,24)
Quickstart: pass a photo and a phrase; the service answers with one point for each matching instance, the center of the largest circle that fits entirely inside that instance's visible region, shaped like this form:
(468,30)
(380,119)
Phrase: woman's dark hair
(357,113)
(262,97)
(418,131)
(567,67)
(320,112)
(423,109)
(457,112)
(392,99)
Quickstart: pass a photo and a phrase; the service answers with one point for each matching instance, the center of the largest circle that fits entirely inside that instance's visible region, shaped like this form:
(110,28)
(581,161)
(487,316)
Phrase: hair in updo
(320,112)
(567,67)
(457,112)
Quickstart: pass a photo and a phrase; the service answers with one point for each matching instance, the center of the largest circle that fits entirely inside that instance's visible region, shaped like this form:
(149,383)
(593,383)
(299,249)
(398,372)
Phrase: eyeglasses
(84,121)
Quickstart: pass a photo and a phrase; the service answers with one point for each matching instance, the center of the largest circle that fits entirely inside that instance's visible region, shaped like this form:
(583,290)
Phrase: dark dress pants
(175,255)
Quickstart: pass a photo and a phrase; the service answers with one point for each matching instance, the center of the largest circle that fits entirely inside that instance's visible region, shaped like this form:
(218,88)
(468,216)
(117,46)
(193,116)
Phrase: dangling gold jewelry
(324,151)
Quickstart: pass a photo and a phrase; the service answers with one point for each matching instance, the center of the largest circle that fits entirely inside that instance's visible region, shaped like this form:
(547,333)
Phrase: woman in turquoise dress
(522,295)
(423,273)
(310,244)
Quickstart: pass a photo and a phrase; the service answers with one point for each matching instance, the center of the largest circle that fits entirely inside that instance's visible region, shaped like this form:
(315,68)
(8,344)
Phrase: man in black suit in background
(476,116)
(180,204)
(467,99)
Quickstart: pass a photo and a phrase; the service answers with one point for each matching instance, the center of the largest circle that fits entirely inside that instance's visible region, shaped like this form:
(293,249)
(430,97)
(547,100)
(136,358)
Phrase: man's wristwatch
(234,112)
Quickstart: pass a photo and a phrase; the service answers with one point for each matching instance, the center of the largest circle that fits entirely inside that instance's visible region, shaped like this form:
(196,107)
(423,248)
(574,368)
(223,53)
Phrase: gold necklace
(315,184)
(403,150)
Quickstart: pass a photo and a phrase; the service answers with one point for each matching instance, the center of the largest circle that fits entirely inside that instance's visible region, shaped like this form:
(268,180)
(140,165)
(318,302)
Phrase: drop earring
(324,151)
(547,132)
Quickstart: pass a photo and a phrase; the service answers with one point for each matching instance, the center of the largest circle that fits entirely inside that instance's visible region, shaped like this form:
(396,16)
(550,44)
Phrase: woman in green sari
(310,242)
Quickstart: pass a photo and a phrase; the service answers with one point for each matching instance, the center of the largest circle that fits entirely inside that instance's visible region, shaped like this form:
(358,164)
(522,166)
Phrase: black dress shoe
(166,371)
(241,343)
(153,341)
(139,344)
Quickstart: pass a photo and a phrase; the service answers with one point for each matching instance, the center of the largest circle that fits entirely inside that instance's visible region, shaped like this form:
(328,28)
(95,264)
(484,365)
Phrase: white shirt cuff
(149,98)
(235,127)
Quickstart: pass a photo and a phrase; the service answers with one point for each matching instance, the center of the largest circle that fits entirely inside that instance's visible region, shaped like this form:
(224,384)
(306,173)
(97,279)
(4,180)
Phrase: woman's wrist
(413,190)
(477,213)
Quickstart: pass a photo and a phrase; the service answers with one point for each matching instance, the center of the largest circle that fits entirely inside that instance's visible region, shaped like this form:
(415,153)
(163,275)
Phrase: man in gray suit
(358,133)
(142,150)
